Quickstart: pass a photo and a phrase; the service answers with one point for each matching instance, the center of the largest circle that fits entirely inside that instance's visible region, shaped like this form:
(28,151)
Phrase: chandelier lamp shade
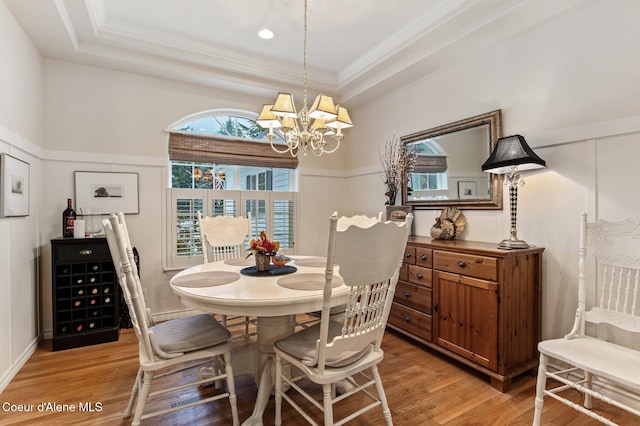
(511,155)
(311,129)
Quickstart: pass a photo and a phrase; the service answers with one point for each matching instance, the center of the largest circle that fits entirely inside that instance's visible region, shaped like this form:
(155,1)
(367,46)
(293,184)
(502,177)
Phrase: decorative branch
(396,165)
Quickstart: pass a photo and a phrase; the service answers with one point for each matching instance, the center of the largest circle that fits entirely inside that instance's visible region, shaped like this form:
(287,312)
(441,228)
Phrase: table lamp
(510,155)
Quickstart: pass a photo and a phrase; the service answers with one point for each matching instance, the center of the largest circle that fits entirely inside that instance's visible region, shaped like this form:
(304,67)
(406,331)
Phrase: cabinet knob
(407,255)
(461,264)
(423,257)
(419,276)
(407,318)
(85,252)
(407,294)
(435,307)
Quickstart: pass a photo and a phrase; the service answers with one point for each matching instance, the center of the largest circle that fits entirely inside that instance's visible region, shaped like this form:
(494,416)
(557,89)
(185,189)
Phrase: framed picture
(398,213)
(14,186)
(467,189)
(111,192)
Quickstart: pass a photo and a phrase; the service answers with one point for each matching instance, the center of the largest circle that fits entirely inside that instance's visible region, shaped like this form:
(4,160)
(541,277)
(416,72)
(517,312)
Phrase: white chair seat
(189,334)
(601,358)
(303,346)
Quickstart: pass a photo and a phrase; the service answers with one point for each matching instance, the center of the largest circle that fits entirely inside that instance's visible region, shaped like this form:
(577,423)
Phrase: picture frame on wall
(14,186)
(111,192)
(398,213)
(467,189)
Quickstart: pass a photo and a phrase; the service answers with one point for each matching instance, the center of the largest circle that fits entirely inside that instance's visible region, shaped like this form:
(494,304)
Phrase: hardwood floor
(423,388)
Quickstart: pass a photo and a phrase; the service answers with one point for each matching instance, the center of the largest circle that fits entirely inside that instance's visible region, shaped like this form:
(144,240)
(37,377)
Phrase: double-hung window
(227,173)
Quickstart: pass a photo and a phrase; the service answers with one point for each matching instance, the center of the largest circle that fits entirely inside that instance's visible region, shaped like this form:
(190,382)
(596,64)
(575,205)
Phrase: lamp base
(513,244)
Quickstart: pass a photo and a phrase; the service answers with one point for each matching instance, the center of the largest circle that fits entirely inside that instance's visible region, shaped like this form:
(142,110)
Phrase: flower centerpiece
(263,249)
(396,165)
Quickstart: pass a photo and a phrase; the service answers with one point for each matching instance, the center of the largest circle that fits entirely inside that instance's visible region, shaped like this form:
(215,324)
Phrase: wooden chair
(223,238)
(165,348)
(369,260)
(597,357)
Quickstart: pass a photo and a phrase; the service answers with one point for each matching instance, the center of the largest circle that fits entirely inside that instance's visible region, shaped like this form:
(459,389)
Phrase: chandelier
(310,129)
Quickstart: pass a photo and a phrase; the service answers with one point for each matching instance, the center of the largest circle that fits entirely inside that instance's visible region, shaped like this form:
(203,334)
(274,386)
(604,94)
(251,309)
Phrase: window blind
(224,150)
(430,164)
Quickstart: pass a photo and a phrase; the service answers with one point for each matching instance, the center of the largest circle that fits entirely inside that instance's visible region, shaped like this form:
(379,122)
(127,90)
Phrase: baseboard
(20,362)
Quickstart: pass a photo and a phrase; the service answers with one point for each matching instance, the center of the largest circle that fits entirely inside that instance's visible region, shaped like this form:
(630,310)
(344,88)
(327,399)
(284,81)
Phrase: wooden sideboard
(473,302)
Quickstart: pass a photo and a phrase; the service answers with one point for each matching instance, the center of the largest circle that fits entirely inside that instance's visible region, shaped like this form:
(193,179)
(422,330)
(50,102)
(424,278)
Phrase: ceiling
(356,50)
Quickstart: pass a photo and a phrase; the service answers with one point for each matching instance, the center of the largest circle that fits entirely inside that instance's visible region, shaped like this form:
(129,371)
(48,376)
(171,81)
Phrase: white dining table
(221,288)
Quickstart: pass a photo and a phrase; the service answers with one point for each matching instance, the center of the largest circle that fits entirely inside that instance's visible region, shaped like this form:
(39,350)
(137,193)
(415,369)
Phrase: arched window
(221,164)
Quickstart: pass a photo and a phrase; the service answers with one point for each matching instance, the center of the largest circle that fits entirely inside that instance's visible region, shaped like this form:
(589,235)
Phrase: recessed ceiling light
(265,34)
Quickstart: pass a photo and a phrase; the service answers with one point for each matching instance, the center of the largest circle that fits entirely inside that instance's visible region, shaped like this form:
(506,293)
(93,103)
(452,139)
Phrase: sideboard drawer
(414,296)
(424,257)
(404,272)
(411,321)
(420,275)
(409,255)
(466,264)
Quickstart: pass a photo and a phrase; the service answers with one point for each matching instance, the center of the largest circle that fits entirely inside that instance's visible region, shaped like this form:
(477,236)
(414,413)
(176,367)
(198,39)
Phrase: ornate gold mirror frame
(448,165)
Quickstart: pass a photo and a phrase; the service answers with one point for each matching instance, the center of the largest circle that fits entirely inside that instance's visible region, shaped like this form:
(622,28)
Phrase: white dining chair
(600,356)
(369,259)
(224,238)
(169,347)
(343,222)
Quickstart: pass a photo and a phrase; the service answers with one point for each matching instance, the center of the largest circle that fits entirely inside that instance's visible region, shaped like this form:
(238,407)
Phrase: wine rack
(85,293)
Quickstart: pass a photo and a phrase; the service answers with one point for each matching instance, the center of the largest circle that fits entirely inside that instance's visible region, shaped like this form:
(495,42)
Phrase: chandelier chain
(304,58)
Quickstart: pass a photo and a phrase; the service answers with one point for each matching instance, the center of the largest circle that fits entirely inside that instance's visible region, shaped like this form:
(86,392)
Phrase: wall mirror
(448,165)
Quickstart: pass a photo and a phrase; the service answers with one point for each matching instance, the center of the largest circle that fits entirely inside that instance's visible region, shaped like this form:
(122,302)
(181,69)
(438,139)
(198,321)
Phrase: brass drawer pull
(461,264)
(423,257)
(85,252)
(407,255)
(419,276)
(407,294)
(407,318)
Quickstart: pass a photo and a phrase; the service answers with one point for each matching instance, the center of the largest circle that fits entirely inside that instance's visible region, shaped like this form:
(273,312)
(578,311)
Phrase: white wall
(21,129)
(570,88)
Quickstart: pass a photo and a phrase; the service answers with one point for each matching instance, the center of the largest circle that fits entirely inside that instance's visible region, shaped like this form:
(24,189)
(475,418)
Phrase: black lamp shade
(512,151)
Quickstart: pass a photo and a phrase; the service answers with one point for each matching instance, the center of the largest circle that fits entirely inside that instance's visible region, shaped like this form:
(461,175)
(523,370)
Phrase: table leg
(270,329)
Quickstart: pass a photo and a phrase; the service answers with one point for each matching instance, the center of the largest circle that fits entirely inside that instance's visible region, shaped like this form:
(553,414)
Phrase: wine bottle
(68,217)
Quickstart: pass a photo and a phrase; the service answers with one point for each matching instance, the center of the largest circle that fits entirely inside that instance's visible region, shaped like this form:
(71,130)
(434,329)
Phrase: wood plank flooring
(423,388)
